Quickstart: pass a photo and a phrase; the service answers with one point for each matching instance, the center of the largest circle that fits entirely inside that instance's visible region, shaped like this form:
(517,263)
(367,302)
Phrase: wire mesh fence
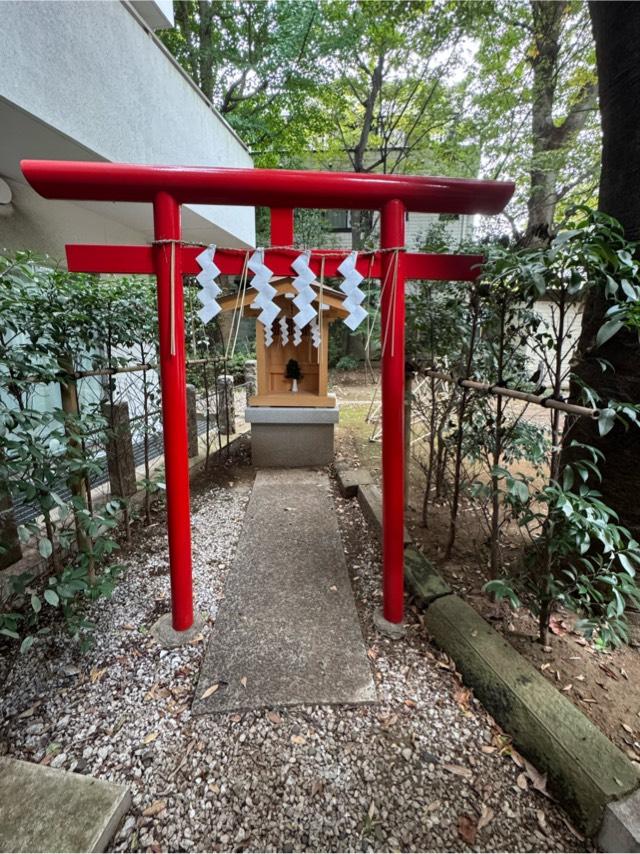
(136,388)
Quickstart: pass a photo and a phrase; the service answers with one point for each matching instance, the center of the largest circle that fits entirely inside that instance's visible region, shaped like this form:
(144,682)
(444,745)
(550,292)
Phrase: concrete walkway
(44,809)
(287,631)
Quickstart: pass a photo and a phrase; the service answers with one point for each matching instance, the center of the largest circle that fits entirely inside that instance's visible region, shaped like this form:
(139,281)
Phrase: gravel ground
(425,769)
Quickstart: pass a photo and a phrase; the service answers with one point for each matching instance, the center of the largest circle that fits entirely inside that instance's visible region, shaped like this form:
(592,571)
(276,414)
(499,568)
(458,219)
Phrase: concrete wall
(94,76)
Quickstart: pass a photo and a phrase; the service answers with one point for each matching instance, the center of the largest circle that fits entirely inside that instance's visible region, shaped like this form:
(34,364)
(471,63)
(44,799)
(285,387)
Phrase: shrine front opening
(168,258)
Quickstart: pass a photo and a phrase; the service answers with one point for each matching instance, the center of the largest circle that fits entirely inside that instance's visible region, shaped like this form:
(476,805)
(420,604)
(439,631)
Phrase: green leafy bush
(347,363)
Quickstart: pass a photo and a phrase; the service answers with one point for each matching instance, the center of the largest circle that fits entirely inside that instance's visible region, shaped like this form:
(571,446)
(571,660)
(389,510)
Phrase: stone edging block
(370,501)
(349,480)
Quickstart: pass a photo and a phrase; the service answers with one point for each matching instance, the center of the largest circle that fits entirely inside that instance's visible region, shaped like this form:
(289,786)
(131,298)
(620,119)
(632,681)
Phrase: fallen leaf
(298,739)
(486,817)
(274,717)
(235,719)
(333,588)
(567,688)
(608,671)
(462,696)
(488,748)
(28,712)
(157,693)
(317,787)
(155,809)
(243,681)
(149,737)
(558,627)
(410,703)
(627,728)
(545,666)
(572,829)
(521,782)
(467,828)
(517,759)
(215,788)
(542,821)
(460,770)
(96,675)
(210,690)
(538,780)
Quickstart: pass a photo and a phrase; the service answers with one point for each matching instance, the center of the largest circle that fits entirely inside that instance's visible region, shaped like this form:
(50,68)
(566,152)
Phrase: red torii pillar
(167,188)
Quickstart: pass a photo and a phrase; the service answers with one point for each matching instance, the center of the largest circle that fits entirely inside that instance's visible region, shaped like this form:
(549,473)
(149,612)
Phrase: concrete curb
(370,501)
(350,480)
(590,776)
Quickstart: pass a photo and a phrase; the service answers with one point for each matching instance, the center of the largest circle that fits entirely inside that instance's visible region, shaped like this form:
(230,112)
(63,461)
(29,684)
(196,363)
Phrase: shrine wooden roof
(285,291)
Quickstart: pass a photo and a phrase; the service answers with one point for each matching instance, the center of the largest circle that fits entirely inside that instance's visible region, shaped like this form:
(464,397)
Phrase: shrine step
(287,631)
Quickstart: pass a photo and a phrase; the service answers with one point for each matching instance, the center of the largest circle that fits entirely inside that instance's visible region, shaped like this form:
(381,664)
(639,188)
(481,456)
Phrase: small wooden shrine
(275,387)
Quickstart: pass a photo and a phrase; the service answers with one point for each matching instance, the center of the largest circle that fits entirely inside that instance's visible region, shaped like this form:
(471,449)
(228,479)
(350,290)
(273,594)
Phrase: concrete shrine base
(291,437)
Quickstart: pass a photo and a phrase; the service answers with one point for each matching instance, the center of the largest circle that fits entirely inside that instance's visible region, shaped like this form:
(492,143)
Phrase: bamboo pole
(538,400)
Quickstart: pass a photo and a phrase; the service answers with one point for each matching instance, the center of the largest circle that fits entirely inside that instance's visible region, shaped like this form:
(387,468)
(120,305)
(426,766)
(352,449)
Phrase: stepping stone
(287,631)
(44,809)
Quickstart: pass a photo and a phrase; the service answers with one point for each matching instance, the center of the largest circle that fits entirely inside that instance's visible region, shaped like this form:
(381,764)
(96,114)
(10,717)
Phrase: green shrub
(347,363)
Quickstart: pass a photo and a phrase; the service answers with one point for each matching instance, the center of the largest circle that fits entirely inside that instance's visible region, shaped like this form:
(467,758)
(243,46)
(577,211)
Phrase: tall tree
(616,29)
(550,24)
(258,63)
(535,108)
(392,106)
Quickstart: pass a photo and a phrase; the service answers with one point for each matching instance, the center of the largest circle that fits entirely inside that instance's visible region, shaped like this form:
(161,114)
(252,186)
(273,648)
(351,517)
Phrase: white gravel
(414,772)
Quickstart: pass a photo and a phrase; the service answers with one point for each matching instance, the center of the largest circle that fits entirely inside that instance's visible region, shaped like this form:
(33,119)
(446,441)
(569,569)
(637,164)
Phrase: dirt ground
(605,686)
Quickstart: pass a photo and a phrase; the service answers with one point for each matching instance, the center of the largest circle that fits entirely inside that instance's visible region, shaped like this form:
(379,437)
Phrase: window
(448,217)
(339,220)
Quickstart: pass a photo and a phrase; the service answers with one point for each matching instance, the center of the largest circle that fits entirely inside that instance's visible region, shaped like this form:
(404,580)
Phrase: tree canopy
(487,89)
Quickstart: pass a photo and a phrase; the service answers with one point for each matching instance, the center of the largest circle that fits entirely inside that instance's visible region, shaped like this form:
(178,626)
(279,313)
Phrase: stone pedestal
(192,421)
(291,437)
(120,459)
(251,378)
(225,403)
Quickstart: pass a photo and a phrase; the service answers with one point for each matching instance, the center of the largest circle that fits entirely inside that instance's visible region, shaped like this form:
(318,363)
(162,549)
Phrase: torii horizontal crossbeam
(88,258)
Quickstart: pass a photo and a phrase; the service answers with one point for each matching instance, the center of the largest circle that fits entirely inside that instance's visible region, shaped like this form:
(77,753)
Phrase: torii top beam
(124,182)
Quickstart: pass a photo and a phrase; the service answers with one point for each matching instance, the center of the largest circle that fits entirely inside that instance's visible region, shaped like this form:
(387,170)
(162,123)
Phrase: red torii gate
(167,188)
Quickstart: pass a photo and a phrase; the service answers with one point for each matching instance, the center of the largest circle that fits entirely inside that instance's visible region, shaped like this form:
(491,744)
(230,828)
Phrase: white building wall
(416,227)
(94,76)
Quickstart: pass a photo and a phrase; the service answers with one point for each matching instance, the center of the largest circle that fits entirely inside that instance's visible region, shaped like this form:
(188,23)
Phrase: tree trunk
(548,137)
(616,28)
